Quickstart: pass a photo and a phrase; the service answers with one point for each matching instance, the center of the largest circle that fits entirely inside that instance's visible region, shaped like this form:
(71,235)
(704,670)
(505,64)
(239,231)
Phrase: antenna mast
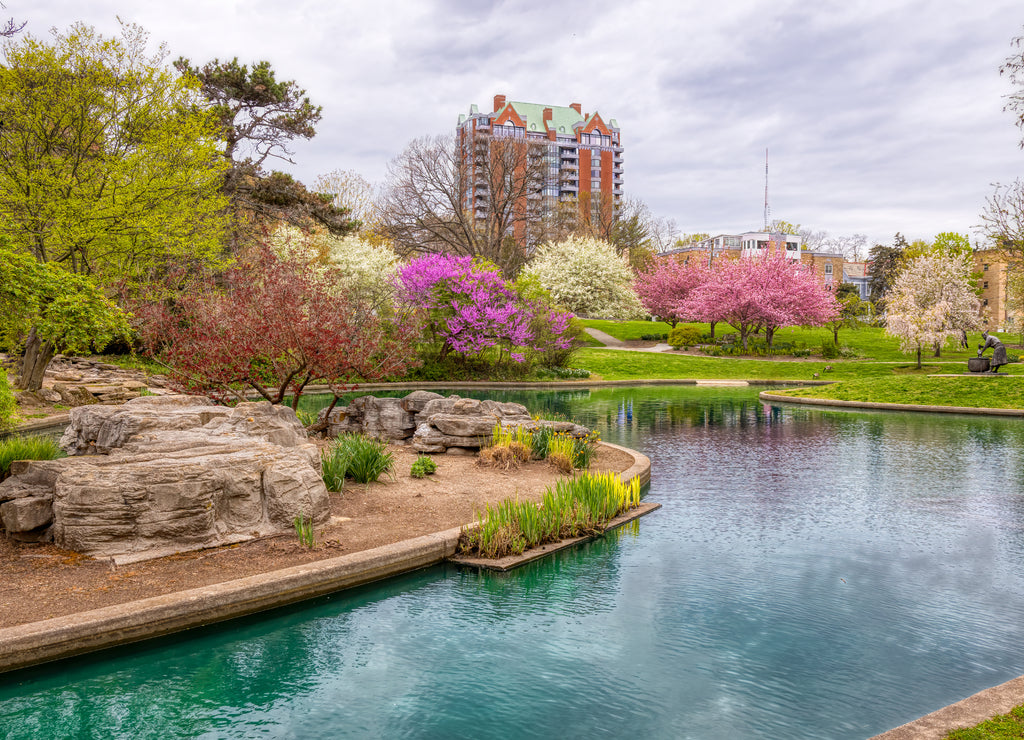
(767,210)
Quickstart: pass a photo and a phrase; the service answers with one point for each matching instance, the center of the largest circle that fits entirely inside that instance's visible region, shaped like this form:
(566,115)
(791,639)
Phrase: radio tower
(767,210)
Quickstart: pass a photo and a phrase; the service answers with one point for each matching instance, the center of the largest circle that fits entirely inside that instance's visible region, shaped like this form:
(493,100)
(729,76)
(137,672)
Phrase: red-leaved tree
(761,293)
(667,283)
(274,325)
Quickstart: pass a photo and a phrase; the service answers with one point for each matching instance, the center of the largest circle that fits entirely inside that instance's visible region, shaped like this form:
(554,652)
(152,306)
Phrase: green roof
(562,117)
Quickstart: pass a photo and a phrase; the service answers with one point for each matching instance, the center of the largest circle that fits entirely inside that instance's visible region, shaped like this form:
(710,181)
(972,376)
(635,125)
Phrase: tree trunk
(835,335)
(938,349)
(34,362)
(713,329)
(919,358)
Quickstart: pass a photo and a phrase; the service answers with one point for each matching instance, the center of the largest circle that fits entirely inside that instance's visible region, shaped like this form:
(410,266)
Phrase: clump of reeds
(357,457)
(304,531)
(26,448)
(511,447)
(575,506)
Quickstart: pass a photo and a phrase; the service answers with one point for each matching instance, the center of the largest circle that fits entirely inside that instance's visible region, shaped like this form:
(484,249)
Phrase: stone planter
(978,364)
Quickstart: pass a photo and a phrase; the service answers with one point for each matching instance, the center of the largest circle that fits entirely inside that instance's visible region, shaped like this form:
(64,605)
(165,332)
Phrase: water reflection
(812,574)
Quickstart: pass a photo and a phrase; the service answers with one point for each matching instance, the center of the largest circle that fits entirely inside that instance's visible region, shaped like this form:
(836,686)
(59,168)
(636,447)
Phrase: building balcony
(569,186)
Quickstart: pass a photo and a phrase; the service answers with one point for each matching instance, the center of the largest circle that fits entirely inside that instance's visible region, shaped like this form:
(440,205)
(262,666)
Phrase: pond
(812,574)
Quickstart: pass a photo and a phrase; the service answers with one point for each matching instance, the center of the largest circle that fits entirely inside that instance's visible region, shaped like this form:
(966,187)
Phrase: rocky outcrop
(167,474)
(432,423)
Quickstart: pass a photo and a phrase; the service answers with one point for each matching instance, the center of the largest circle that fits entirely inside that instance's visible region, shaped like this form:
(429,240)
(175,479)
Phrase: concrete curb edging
(776,398)
(966,713)
(74,634)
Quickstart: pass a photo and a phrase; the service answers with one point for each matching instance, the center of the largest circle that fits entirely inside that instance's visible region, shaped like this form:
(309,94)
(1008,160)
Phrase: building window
(828,268)
(985,302)
(790,246)
(984,268)
(985,285)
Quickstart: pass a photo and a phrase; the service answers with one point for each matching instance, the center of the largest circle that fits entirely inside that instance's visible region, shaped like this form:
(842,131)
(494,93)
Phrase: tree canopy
(587,276)
(104,165)
(47,309)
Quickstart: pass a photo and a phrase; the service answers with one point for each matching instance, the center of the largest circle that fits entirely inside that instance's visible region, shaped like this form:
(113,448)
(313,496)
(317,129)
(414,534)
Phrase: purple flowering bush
(473,312)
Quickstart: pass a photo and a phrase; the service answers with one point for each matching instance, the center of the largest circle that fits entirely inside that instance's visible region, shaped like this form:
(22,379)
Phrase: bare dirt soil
(40,582)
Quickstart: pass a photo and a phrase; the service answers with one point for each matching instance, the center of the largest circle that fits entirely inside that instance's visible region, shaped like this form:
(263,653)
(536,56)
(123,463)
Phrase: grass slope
(610,364)
(981,392)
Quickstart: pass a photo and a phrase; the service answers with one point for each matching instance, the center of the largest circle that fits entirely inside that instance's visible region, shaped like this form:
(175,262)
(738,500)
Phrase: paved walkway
(611,342)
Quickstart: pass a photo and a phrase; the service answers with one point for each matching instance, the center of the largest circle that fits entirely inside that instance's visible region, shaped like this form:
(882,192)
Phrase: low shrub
(422,467)
(574,507)
(685,335)
(26,448)
(829,351)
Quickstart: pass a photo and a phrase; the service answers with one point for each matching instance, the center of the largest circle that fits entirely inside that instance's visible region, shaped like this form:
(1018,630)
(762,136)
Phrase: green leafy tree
(48,310)
(106,168)
(852,311)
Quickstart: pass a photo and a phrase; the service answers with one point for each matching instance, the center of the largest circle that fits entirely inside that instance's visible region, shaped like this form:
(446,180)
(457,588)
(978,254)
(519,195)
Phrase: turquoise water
(813,574)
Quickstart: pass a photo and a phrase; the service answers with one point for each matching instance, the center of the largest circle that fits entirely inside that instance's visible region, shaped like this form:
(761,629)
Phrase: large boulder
(167,474)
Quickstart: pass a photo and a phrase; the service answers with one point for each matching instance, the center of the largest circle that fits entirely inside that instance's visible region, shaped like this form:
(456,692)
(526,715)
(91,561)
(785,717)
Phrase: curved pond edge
(767,396)
(32,643)
(965,713)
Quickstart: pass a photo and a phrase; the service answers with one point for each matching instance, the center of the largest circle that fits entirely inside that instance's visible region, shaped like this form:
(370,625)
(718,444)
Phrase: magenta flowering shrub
(471,308)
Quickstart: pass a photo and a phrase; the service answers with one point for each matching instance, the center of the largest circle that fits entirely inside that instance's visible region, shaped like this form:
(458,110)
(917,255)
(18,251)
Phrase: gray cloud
(879,116)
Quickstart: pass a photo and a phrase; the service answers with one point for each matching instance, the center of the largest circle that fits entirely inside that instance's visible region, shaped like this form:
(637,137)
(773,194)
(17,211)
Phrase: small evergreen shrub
(829,351)
(422,467)
(685,335)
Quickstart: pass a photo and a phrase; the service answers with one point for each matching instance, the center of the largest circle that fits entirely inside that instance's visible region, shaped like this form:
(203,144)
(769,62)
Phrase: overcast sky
(879,116)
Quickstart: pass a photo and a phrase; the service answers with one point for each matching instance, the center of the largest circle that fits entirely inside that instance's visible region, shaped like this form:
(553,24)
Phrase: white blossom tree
(587,277)
(932,301)
(361,268)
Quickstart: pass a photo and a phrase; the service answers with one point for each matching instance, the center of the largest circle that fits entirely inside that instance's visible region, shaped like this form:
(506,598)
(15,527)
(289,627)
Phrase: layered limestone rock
(432,423)
(167,474)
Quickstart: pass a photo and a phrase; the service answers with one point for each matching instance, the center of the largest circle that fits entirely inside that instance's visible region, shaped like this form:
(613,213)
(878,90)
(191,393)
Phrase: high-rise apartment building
(581,154)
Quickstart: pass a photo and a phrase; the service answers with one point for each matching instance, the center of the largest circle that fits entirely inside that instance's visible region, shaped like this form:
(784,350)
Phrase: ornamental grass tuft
(26,448)
(357,457)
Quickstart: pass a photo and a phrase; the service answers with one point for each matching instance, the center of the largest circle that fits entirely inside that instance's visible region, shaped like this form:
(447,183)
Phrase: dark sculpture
(998,351)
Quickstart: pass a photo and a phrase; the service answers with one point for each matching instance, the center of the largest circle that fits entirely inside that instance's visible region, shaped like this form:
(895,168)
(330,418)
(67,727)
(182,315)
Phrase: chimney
(499,102)
(547,114)
(578,107)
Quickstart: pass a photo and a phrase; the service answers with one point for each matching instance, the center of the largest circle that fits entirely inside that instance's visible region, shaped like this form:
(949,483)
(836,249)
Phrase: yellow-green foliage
(110,167)
(8,406)
(575,506)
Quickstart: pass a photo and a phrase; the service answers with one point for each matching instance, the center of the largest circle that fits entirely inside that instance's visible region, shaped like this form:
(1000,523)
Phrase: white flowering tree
(363,269)
(932,301)
(587,277)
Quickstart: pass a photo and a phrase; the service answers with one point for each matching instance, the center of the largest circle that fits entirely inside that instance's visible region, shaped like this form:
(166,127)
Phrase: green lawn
(610,364)
(868,342)
(981,392)
(1002,727)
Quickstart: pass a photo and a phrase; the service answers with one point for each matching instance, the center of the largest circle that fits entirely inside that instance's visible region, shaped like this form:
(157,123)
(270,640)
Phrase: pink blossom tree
(761,293)
(668,282)
(470,308)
